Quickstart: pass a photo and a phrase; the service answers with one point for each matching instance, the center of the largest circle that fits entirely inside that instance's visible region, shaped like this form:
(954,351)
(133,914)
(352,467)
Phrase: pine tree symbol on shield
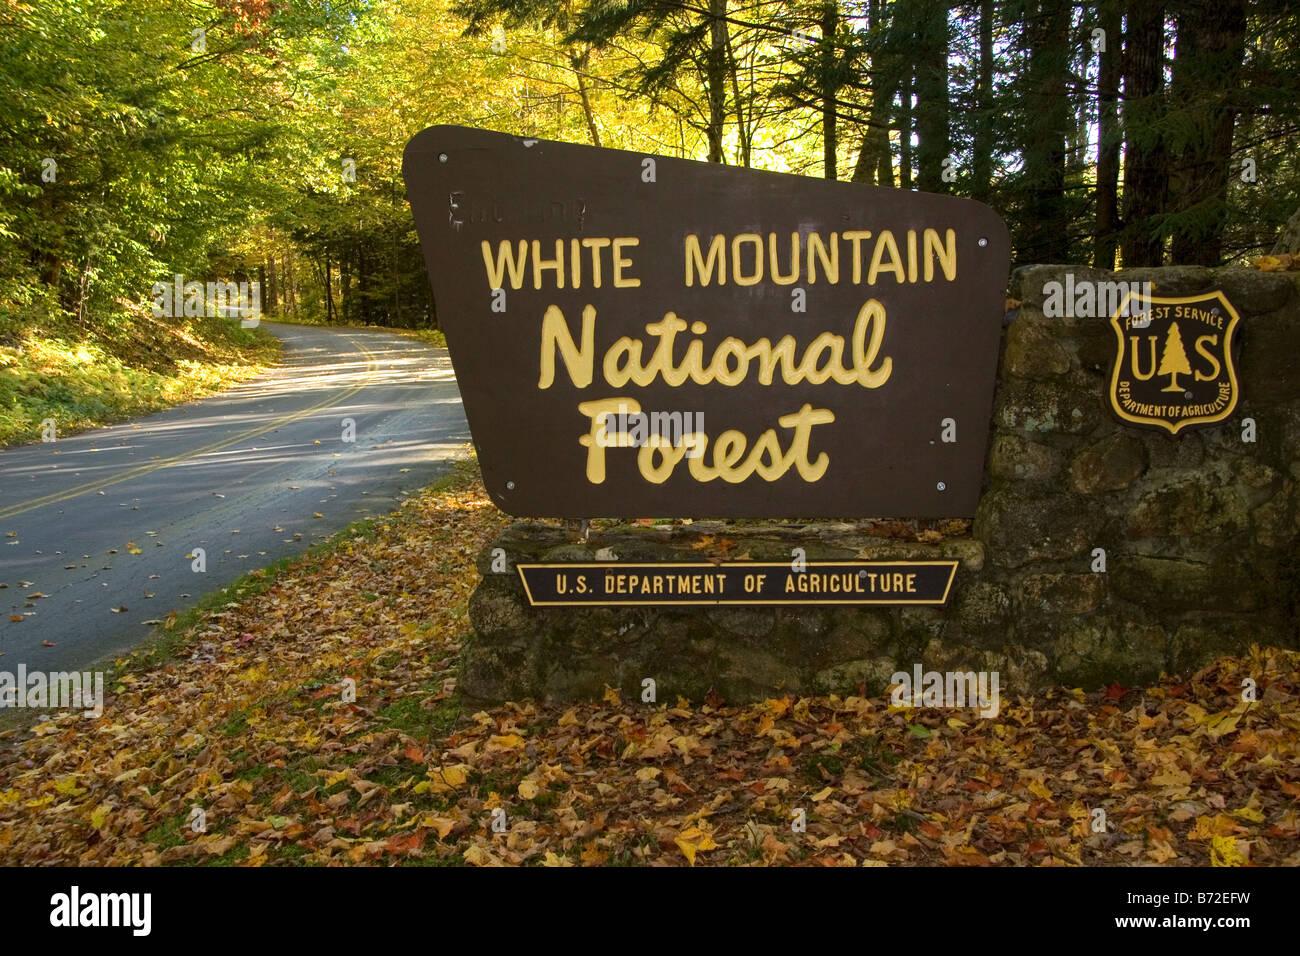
(1173,360)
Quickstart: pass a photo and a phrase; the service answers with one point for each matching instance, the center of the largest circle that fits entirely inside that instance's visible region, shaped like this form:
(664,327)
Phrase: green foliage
(50,373)
(262,140)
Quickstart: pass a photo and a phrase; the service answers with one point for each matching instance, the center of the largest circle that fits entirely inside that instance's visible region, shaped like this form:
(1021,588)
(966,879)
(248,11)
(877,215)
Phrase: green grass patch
(867,754)
(168,833)
(233,856)
(236,725)
(125,369)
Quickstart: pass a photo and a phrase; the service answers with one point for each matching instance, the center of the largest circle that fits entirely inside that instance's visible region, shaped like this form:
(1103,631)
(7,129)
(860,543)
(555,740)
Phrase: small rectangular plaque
(738,582)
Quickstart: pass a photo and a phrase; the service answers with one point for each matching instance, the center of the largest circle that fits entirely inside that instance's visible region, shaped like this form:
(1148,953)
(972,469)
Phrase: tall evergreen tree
(1146,159)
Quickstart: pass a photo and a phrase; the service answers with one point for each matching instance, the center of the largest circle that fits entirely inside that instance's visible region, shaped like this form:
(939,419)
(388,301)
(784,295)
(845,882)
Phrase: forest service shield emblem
(1173,362)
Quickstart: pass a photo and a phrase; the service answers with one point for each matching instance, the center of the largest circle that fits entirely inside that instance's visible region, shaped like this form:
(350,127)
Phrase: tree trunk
(744,131)
(933,145)
(268,288)
(1077,159)
(1146,165)
(905,129)
(875,162)
(1288,241)
(579,64)
(329,292)
(1046,128)
(287,280)
(346,306)
(1105,234)
(982,171)
(363,284)
(716,77)
(261,284)
(830,90)
(1206,76)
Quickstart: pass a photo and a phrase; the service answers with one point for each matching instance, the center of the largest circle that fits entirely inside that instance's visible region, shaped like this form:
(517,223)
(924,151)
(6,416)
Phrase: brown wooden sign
(642,336)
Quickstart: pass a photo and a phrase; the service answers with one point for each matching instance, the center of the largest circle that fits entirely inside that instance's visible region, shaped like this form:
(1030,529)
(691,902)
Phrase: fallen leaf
(693,840)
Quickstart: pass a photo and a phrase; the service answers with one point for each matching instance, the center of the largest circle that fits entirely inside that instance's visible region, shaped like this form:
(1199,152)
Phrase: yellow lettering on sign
(857,237)
(732,458)
(814,257)
(556,264)
(624,362)
(595,244)
(793,276)
(621,262)
(756,276)
(577,361)
(946,254)
(1215,367)
(886,244)
(505,260)
(830,263)
(695,263)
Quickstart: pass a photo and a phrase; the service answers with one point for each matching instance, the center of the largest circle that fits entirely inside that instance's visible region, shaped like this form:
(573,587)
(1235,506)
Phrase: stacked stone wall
(1199,533)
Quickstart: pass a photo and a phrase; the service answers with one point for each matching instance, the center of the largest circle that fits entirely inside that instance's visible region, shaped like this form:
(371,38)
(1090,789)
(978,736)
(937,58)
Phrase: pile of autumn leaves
(247,737)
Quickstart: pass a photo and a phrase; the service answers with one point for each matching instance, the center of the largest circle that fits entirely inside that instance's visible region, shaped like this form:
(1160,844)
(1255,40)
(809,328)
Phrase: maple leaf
(776,707)
(399,843)
(498,742)
(774,851)
(439,824)
(1216,725)
(443,779)
(1115,691)
(593,855)
(478,856)
(693,840)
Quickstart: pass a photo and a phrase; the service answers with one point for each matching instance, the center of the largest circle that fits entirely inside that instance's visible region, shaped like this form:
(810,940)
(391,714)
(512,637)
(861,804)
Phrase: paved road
(105,519)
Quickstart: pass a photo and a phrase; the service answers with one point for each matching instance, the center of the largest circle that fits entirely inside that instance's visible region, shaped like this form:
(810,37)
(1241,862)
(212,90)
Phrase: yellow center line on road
(372,367)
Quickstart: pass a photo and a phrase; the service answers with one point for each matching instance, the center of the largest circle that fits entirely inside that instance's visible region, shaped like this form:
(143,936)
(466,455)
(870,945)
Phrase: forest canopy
(262,139)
